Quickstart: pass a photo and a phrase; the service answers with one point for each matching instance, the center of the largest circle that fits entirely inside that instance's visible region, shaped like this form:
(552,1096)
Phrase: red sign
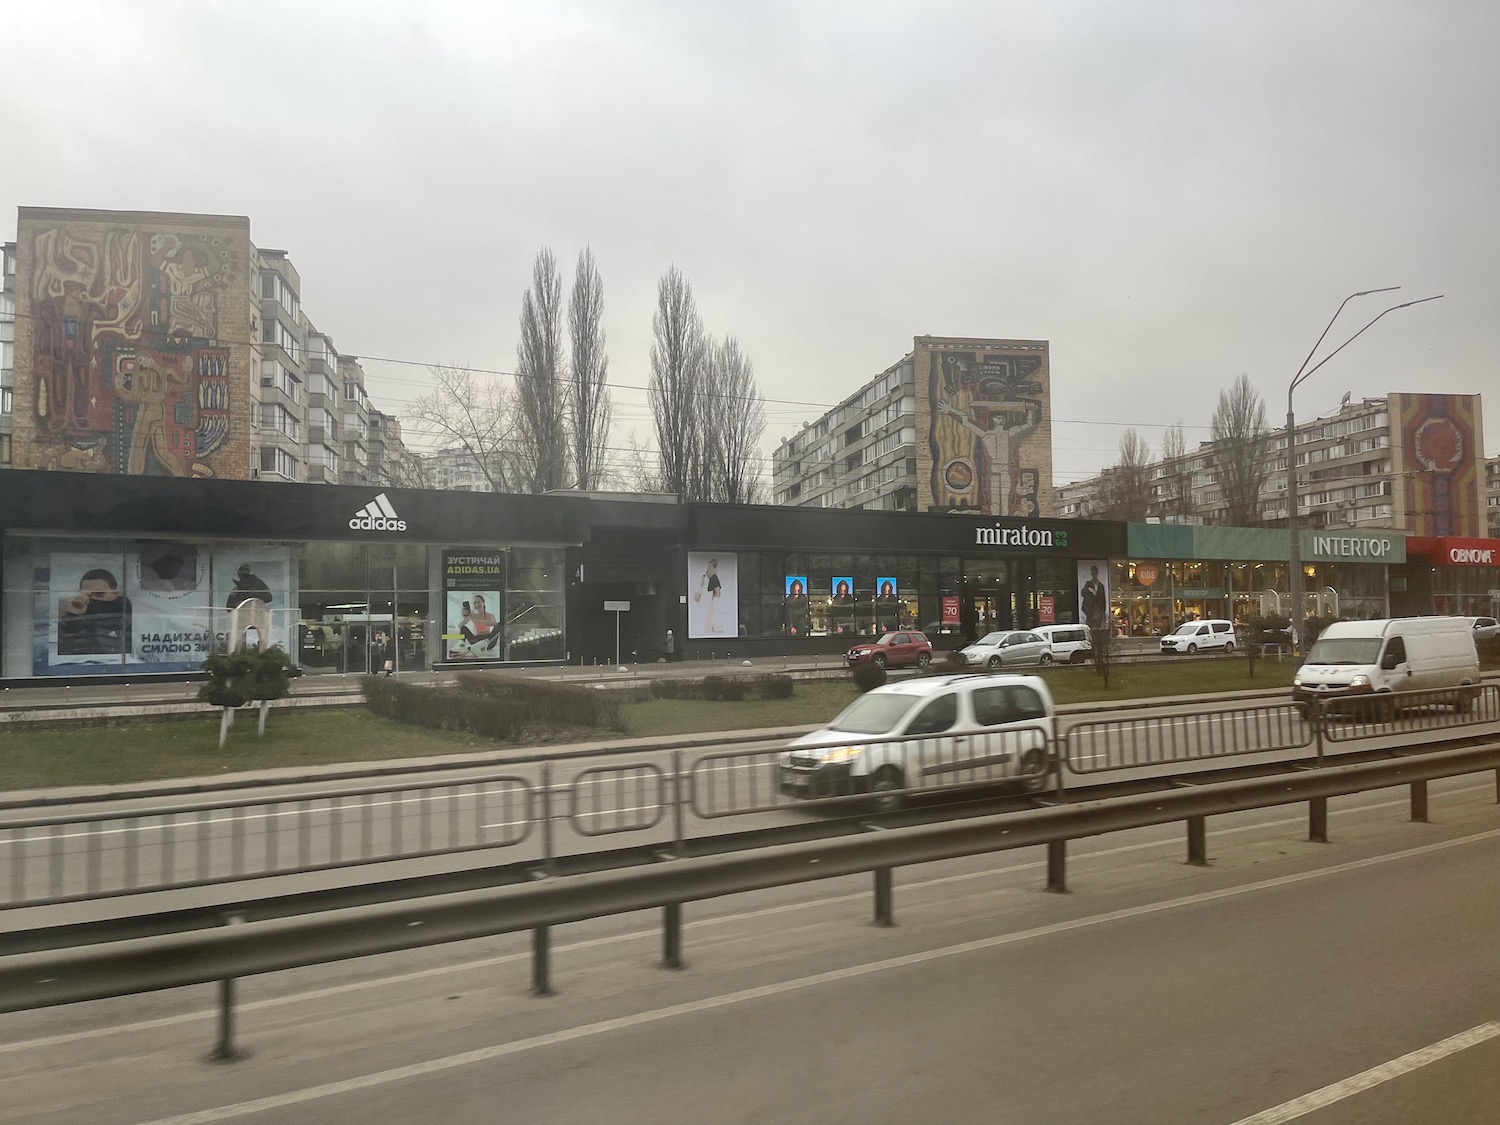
(950,611)
(1046,610)
(1146,573)
(1452,550)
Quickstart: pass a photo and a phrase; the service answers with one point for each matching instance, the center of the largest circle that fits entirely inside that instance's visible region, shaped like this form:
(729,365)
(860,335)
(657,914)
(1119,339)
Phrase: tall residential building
(1405,461)
(454,469)
(1492,496)
(7,345)
(956,425)
(150,343)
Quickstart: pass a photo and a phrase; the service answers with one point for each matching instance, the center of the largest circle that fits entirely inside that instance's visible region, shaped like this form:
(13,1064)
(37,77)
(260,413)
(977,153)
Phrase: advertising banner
(797,609)
(1046,610)
(474,601)
(154,607)
(714,608)
(1093,593)
(952,614)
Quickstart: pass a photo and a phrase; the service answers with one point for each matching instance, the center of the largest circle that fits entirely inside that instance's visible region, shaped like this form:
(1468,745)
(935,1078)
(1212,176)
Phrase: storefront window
(534,605)
(107,606)
(1466,590)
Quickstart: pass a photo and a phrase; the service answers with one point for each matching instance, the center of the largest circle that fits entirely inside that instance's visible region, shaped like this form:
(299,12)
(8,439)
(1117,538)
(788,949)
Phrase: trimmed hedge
(765,685)
(506,708)
(868,676)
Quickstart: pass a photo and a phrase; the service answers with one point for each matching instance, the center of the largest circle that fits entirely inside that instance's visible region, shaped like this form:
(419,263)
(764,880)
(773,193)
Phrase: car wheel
(924,659)
(1078,657)
(879,658)
(1192,650)
(993,662)
(1045,659)
(886,788)
(1463,702)
(1228,647)
(1034,762)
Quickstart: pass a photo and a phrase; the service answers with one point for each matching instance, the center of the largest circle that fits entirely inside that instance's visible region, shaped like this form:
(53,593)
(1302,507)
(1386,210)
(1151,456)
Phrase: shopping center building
(118,575)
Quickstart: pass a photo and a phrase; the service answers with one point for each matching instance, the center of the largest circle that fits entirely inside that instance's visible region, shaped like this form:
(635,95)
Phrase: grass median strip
(146,751)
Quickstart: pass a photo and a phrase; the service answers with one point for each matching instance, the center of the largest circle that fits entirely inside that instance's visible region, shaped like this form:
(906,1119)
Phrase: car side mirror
(1388,662)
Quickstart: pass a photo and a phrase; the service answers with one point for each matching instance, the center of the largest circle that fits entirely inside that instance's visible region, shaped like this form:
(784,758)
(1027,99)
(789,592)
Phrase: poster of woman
(474,631)
(714,603)
(796,608)
(887,607)
(841,606)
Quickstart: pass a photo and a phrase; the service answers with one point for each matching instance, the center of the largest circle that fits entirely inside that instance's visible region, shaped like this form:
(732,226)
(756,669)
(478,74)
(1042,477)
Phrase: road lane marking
(781,988)
(1338,1091)
(655,934)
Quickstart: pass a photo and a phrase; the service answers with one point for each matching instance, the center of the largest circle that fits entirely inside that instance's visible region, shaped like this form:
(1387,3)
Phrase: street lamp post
(1294,543)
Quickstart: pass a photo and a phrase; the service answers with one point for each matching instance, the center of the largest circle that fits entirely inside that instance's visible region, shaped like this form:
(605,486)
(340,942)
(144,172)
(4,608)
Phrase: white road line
(1338,1091)
(655,934)
(781,988)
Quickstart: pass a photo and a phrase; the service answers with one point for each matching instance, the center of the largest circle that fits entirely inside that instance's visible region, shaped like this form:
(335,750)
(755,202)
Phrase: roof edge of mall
(358,575)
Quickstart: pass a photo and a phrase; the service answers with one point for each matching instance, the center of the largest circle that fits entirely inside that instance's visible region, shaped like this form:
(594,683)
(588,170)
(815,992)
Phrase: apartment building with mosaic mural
(959,424)
(1404,461)
(161,344)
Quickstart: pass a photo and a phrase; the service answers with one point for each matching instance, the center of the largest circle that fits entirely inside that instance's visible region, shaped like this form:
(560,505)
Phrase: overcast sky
(1171,193)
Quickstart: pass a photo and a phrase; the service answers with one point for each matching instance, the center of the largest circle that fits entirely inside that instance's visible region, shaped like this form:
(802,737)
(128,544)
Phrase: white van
(943,730)
(1070,644)
(1199,636)
(1360,658)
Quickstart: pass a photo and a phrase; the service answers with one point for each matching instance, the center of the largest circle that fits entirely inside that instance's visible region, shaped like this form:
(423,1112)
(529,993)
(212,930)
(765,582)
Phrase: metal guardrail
(1113,744)
(70,857)
(1407,712)
(200,844)
(133,966)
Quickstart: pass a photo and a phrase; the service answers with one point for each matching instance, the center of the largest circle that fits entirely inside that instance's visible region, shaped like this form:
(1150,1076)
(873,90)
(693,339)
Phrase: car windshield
(1184,629)
(1345,650)
(887,639)
(873,714)
(991,639)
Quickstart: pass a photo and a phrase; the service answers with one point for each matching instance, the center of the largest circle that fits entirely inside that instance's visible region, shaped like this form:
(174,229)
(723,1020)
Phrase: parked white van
(1070,644)
(1362,658)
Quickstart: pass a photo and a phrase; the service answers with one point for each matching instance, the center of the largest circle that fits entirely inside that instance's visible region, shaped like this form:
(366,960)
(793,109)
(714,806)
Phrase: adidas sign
(377,515)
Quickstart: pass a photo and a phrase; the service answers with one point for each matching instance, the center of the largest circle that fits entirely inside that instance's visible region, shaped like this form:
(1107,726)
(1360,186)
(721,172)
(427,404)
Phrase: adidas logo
(377,515)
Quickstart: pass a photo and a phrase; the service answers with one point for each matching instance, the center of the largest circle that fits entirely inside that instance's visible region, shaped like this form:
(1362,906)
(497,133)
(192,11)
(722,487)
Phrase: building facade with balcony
(7,345)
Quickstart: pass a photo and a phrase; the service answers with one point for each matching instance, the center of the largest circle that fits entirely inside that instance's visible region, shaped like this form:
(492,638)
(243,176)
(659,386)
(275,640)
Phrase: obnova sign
(1474,556)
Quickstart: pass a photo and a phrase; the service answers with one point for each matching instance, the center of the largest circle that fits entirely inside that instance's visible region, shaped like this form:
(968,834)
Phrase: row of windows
(274,459)
(273,287)
(277,333)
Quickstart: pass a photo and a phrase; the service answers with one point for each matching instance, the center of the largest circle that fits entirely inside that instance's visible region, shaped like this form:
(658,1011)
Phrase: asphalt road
(599,803)
(1155,993)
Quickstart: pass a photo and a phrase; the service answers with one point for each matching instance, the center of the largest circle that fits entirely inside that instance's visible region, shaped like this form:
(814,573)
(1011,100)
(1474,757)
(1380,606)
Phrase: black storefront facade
(110,576)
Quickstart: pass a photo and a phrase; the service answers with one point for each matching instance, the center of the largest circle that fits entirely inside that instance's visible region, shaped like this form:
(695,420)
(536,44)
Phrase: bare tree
(734,418)
(636,469)
(677,362)
(589,410)
(474,415)
(1240,437)
(1126,496)
(1177,477)
(541,420)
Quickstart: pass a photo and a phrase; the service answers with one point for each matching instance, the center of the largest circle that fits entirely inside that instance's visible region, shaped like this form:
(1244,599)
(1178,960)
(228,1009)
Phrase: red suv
(892,649)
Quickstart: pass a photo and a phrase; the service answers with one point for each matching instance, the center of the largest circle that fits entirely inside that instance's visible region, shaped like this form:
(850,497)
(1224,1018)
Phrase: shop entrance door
(1002,594)
(356,646)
